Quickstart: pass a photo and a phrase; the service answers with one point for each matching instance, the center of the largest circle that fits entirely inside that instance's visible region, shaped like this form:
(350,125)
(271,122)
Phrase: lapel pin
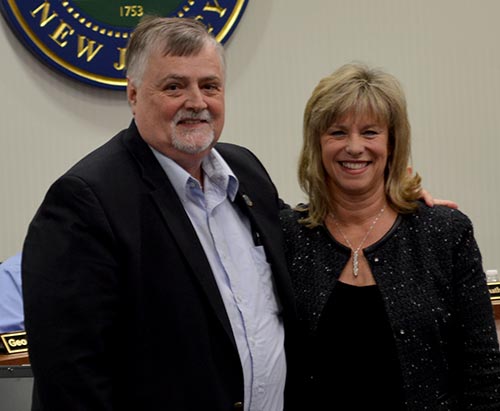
(248,201)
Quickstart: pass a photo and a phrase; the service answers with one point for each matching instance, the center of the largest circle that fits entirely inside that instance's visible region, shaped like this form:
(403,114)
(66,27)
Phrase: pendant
(355,264)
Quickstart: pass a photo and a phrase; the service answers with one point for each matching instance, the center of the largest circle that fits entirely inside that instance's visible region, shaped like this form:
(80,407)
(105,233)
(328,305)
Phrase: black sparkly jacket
(429,271)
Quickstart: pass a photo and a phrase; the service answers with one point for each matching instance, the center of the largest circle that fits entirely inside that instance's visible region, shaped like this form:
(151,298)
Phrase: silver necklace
(355,252)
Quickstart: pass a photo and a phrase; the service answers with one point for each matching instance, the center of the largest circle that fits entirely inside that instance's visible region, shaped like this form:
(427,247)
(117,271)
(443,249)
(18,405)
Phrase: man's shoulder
(112,161)
(108,169)
(234,152)
(242,161)
(100,155)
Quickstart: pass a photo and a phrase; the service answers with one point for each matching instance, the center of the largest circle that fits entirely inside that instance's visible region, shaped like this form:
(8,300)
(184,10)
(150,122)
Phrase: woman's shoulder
(440,217)
(292,215)
(441,212)
(292,221)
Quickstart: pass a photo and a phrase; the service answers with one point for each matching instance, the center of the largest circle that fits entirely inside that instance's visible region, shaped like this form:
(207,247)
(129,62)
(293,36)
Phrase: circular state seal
(87,39)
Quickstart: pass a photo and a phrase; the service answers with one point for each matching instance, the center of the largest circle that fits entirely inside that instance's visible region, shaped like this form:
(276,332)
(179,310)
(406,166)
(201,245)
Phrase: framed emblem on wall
(87,39)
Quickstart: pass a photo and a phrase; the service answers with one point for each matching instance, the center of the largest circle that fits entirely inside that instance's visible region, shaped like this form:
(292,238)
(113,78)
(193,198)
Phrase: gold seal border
(92,26)
(54,57)
(115,82)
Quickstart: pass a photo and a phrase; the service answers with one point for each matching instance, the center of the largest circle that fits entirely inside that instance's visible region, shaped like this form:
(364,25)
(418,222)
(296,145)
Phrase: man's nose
(195,99)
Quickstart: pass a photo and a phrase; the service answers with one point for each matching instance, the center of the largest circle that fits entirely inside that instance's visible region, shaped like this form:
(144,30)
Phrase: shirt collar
(214,167)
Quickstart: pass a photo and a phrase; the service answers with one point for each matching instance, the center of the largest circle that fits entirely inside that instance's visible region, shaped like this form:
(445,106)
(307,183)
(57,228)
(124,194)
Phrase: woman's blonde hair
(357,89)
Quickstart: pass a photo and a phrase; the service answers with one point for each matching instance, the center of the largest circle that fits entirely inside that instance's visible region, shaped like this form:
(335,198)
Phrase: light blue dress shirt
(11,297)
(242,274)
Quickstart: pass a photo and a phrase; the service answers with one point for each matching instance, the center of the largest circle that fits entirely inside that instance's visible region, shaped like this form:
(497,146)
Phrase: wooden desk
(496,308)
(15,359)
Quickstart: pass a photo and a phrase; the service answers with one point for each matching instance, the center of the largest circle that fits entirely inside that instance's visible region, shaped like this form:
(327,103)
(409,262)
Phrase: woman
(391,292)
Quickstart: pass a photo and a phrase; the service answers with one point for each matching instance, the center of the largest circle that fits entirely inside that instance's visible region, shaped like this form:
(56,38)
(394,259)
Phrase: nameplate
(494,289)
(14,342)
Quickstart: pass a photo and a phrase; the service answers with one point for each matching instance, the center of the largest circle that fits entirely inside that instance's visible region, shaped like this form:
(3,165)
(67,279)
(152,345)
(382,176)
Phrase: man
(153,275)
(11,301)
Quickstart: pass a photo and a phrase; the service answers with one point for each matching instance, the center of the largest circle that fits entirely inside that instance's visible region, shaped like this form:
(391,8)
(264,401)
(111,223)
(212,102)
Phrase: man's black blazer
(122,309)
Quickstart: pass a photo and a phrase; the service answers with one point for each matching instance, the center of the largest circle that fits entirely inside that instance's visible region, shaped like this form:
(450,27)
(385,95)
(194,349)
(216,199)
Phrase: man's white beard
(192,141)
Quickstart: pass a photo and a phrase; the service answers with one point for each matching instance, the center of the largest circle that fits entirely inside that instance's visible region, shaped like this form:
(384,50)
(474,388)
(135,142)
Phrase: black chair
(16,387)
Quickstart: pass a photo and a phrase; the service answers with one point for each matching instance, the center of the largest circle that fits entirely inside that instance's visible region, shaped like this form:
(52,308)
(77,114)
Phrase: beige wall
(446,53)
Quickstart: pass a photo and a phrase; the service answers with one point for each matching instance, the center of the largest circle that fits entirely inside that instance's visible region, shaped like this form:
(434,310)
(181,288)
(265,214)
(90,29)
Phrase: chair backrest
(16,387)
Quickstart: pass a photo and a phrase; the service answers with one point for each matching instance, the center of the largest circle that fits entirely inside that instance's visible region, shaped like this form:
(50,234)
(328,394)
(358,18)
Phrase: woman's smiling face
(355,151)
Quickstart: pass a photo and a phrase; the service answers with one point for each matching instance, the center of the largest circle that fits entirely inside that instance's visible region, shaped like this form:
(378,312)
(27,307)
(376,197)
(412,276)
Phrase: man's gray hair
(169,35)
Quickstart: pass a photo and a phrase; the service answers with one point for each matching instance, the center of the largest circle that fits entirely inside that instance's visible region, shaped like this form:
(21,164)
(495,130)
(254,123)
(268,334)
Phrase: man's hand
(425,195)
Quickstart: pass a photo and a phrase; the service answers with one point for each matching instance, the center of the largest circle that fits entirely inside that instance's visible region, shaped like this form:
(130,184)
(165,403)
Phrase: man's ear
(131,93)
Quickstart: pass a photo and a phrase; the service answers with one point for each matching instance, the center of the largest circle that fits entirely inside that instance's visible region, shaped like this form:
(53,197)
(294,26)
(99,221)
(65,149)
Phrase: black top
(356,352)
(432,287)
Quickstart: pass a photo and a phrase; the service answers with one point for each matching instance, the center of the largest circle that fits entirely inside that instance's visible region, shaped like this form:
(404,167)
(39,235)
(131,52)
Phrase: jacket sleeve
(69,285)
(479,354)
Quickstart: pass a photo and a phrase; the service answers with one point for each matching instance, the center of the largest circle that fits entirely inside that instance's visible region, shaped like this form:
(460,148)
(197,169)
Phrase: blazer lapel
(182,230)
(259,200)
(177,222)
(267,230)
